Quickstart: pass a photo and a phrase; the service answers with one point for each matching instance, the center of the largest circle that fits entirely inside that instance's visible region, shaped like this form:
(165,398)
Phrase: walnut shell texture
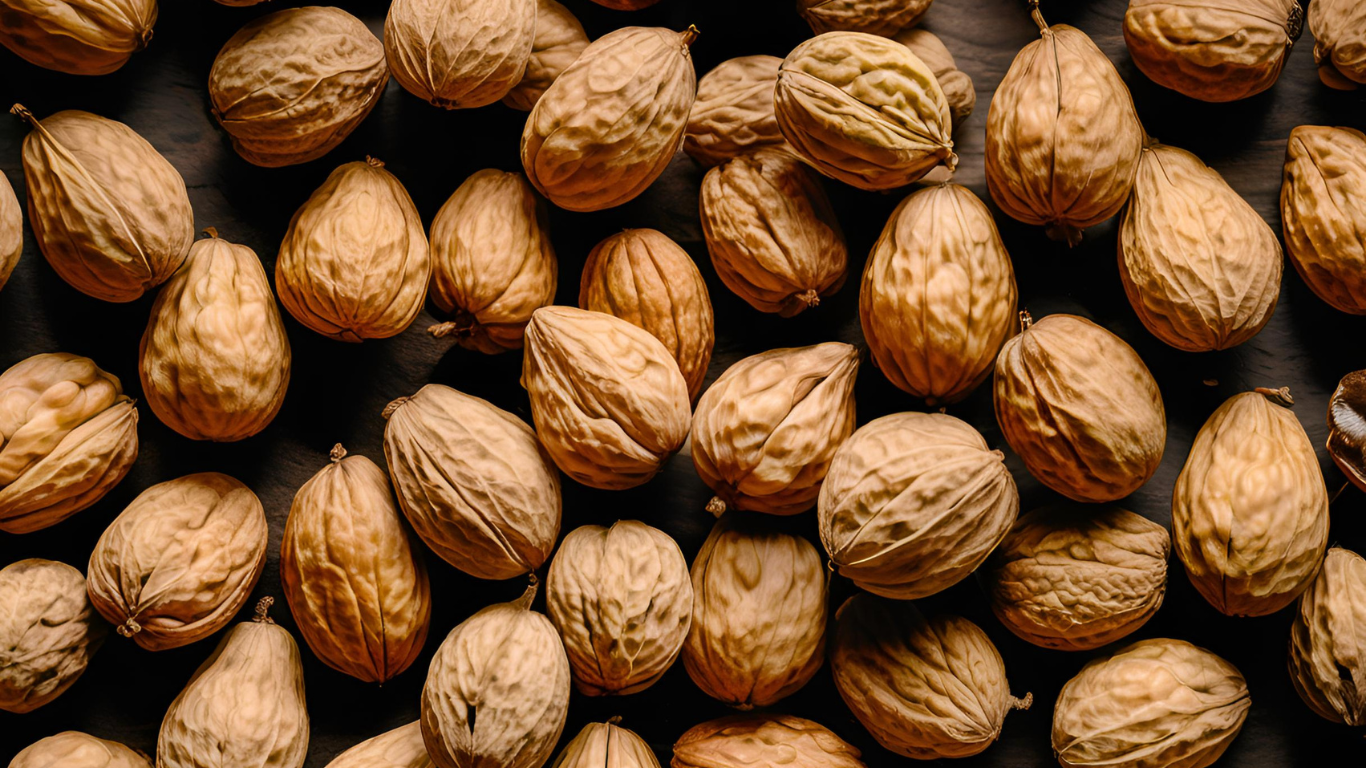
(1323,215)
(11,230)
(78,37)
(956,84)
(1328,640)
(458,54)
(402,747)
(1339,28)
(606,745)
(559,41)
(48,632)
(733,113)
(73,749)
(876,17)
(763,740)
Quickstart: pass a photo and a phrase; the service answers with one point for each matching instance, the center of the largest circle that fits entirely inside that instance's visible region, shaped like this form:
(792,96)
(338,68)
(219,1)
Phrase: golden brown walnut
(864,110)
(354,264)
(400,748)
(956,84)
(924,688)
(1339,28)
(559,41)
(504,670)
(606,745)
(290,86)
(1156,704)
(68,434)
(1076,577)
(1063,137)
(611,122)
(733,113)
(244,707)
(761,741)
(773,237)
(78,37)
(646,279)
(492,261)
(48,632)
(765,432)
(179,562)
(355,581)
(473,482)
(1080,408)
(214,360)
(938,294)
(913,503)
(1347,427)
(11,230)
(108,212)
(73,749)
(1321,214)
(1250,510)
(876,17)
(609,402)
(1200,266)
(758,617)
(1327,663)
(458,54)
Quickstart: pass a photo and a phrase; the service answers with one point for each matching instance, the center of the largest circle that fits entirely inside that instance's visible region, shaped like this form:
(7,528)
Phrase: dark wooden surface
(338,389)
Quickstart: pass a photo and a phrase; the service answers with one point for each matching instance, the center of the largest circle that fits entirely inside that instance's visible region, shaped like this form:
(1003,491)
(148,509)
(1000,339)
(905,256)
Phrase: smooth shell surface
(11,230)
(1328,640)
(459,54)
(78,37)
(559,41)
(733,113)
(48,632)
(73,749)
(1323,213)
(762,741)
(402,747)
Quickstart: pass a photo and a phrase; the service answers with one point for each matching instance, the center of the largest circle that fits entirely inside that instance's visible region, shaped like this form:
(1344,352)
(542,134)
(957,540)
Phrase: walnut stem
(1025,320)
(810,296)
(391,407)
(145,39)
(128,628)
(1037,16)
(210,232)
(374,162)
(1278,396)
(1025,703)
(1344,487)
(690,34)
(21,112)
(338,453)
(442,330)
(614,720)
(717,506)
(262,606)
(524,602)
(1294,25)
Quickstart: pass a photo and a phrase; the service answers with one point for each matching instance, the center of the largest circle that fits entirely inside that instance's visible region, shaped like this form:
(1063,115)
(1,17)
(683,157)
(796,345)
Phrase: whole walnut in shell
(1250,510)
(1326,641)
(291,85)
(179,562)
(1080,408)
(108,212)
(606,745)
(558,42)
(354,263)
(1323,222)
(11,230)
(1339,28)
(1076,577)
(73,749)
(733,113)
(956,84)
(912,503)
(1156,704)
(402,747)
(765,432)
(492,261)
(924,688)
(68,434)
(462,53)
(78,37)
(876,17)
(473,481)
(622,601)
(48,632)
(759,612)
(760,741)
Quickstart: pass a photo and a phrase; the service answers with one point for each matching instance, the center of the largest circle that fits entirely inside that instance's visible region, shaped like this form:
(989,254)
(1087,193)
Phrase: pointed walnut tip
(529,595)
(1026,320)
(392,407)
(374,162)
(1025,703)
(1278,396)
(262,608)
(716,507)
(128,628)
(690,34)
(338,453)
(21,112)
(210,232)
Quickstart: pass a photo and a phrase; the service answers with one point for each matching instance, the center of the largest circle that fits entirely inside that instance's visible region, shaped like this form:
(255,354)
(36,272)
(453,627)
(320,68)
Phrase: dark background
(338,389)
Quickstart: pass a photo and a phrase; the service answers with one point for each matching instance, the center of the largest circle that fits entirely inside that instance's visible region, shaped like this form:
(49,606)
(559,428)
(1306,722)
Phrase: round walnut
(1157,703)
(1325,228)
(759,613)
(78,37)
(956,83)
(402,747)
(559,41)
(924,688)
(1327,665)
(48,632)
(876,17)
(761,741)
(11,230)
(913,503)
(1074,577)
(73,749)
(606,745)
(733,113)
(764,434)
(462,54)
(1339,28)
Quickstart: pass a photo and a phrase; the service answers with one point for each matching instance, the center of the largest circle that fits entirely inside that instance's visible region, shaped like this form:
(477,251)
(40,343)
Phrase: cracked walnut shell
(48,632)
(761,741)
(1327,664)
(459,54)
(1323,215)
(733,113)
(78,37)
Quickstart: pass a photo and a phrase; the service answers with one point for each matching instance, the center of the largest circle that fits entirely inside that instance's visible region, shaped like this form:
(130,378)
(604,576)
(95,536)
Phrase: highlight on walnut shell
(402,747)
(1063,138)
(1347,427)
(924,688)
(1325,230)
(864,110)
(765,432)
(179,562)
(48,632)
(1326,663)
(1157,702)
(761,740)
(108,212)
(325,71)
(492,261)
(73,749)
(558,42)
(607,127)
(1080,408)
(1250,510)
(1339,29)
(11,230)
(606,745)
(956,84)
(733,113)
(354,263)
(1200,267)
(459,55)
(876,17)
(78,37)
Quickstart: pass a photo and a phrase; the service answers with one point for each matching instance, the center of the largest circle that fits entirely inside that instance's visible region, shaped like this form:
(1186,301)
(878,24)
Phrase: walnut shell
(354,263)
(1080,408)
(78,37)
(48,632)
(758,617)
(611,122)
(1250,510)
(609,402)
(1156,704)
(876,17)
(761,741)
(461,54)
(864,110)
(492,261)
(291,85)
(179,562)
(473,482)
(924,688)
(1075,577)
(400,748)
(214,360)
(1327,665)
(558,42)
(108,212)
(956,84)
(355,581)
(1325,228)
(913,503)
(606,745)
(73,749)
(1347,427)
(938,294)
(764,434)
(773,237)
(68,434)
(1339,28)
(733,113)
(11,230)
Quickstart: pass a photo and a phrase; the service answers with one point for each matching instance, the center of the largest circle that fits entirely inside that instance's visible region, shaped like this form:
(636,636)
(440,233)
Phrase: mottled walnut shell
(48,632)
(73,749)
(956,84)
(458,54)
(733,113)
(606,745)
(1323,213)
(11,230)
(78,37)
(876,17)
(559,41)
(1339,28)
(1328,640)
(763,741)
(400,748)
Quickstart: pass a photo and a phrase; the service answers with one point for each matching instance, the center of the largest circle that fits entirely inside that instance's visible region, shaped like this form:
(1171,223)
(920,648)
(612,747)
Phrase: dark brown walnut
(1321,216)
(1339,28)
(763,741)
(1077,577)
(73,749)
(956,83)
(733,113)
(876,17)
(1347,427)
(48,632)
(1328,640)
(78,37)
